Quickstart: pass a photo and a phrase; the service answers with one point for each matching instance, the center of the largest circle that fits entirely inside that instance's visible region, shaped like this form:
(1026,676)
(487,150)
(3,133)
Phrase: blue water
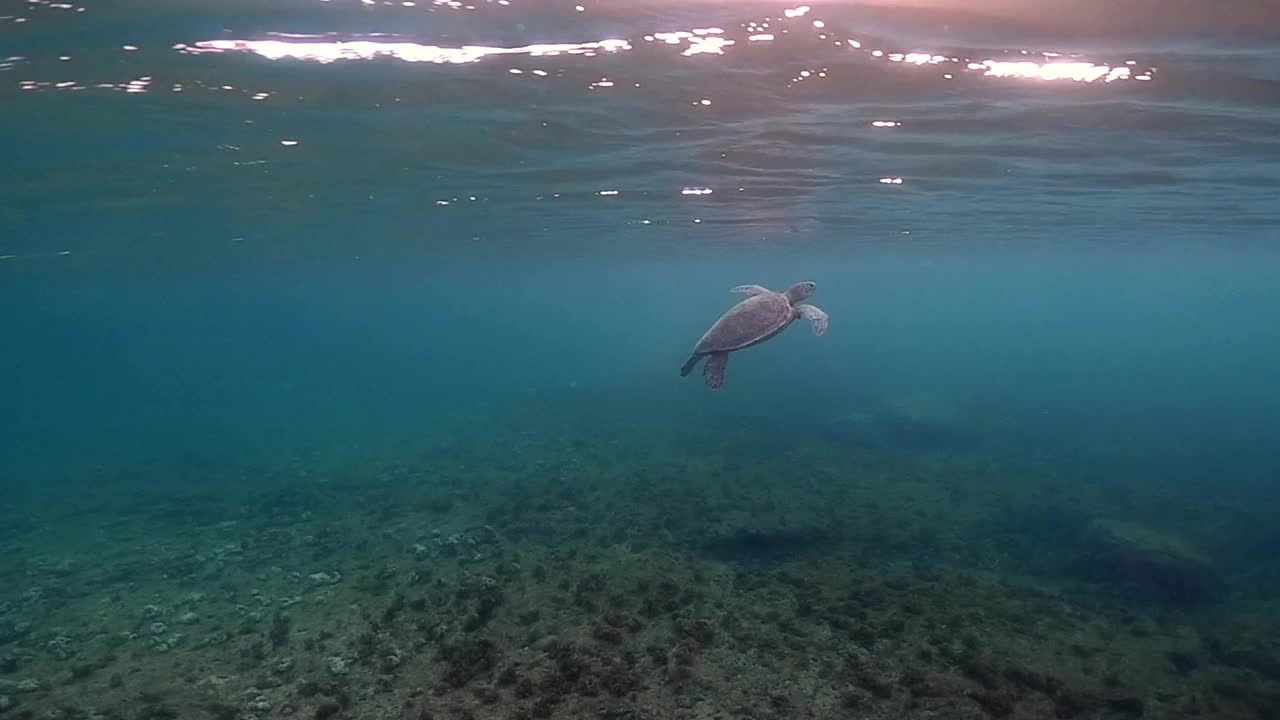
(1097,252)
(243,263)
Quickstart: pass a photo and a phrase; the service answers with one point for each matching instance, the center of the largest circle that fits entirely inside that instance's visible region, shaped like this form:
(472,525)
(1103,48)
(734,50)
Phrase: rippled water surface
(671,124)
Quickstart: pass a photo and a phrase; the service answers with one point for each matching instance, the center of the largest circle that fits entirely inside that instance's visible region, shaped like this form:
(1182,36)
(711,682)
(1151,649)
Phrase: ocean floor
(645,574)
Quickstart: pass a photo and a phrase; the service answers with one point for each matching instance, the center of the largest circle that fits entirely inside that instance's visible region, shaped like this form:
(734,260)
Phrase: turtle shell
(751,321)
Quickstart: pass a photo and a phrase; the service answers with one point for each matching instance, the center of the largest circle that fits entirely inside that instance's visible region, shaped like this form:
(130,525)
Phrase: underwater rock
(763,541)
(878,685)
(11,630)
(1149,564)
(467,660)
(1184,663)
(997,703)
(325,578)
(1260,656)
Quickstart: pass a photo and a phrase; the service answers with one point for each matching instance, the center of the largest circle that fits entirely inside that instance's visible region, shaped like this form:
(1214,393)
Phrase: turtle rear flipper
(690,363)
(713,371)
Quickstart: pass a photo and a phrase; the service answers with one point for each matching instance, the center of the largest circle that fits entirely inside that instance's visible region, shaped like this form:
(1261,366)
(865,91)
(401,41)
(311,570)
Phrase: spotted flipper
(816,317)
(713,371)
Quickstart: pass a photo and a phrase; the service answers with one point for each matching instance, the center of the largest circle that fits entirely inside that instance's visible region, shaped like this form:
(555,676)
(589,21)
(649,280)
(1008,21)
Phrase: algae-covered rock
(1150,564)
(765,539)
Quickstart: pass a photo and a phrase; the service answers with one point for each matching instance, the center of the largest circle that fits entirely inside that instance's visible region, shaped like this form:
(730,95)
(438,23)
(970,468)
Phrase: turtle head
(800,291)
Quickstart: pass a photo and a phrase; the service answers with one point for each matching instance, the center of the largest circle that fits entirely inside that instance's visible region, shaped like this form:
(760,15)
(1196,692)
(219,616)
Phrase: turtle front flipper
(750,289)
(816,317)
(713,371)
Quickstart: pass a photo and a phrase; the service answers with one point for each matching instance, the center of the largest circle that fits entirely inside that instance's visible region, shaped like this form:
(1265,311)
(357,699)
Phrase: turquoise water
(231,259)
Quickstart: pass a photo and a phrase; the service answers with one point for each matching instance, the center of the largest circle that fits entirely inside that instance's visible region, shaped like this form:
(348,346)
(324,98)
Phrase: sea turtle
(761,316)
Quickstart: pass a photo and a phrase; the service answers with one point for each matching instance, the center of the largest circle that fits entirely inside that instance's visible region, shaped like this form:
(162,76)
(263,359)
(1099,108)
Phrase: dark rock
(853,699)
(487,695)
(1031,679)
(926,684)
(983,670)
(700,631)
(222,711)
(1069,703)
(862,634)
(608,634)
(10,631)
(1127,704)
(1261,658)
(327,710)
(876,684)
(619,681)
(508,676)
(467,660)
(685,653)
(1149,564)
(766,542)
(543,707)
(279,633)
(996,703)
(621,620)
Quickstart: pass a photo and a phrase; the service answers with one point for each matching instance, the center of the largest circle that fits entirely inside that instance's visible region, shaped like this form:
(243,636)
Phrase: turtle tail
(688,366)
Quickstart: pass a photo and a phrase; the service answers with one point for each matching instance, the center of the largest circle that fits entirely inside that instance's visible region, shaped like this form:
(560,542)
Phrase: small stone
(28,685)
(62,647)
(325,578)
(6,703)
(337,666)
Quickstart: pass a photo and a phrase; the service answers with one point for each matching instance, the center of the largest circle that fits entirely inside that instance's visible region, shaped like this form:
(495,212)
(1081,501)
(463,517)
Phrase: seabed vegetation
(635,573)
